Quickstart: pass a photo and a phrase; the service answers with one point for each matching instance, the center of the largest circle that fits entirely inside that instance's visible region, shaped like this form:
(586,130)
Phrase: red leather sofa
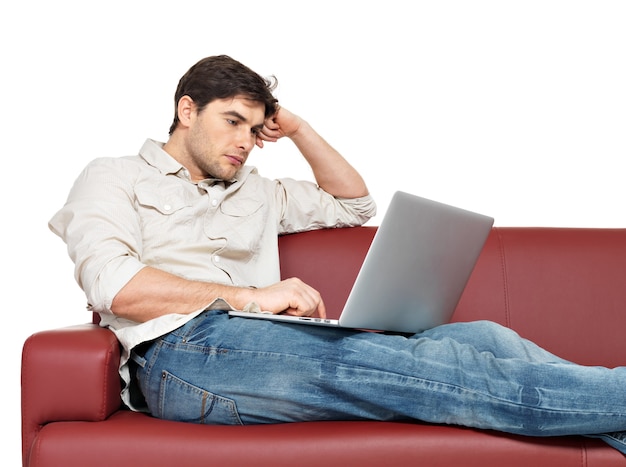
(563,288)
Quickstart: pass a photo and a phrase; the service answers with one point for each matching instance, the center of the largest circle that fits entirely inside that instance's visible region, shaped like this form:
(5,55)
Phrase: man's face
(221,137)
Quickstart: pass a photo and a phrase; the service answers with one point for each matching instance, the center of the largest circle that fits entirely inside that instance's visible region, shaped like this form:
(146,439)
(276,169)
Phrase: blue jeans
(222,370)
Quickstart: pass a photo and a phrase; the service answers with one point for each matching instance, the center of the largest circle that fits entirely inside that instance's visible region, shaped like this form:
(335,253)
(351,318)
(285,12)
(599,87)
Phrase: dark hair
(220,77)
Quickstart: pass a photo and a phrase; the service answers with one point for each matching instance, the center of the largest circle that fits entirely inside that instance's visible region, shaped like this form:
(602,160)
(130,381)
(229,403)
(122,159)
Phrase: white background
(516,109)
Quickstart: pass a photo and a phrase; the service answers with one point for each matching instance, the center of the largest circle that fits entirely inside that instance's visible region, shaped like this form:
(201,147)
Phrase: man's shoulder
(114,171)
(118,162)
(127,166)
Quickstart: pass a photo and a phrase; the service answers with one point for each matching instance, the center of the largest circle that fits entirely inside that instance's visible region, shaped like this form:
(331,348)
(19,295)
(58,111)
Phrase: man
(166,242)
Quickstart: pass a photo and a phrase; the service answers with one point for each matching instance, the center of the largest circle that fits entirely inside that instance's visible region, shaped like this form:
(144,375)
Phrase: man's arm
(152,293)
(332,172)
(99,217)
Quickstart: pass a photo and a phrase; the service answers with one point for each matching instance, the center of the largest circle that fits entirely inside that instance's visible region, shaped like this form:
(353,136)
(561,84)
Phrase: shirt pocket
(166,200)
(242,221)
(241,207)
(165,213)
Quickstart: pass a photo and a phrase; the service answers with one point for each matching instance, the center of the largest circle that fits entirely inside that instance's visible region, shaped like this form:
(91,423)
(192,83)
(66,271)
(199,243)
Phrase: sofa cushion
(165,443)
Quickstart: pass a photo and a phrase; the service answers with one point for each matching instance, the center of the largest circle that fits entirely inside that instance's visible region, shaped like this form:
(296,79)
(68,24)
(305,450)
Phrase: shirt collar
(153,153)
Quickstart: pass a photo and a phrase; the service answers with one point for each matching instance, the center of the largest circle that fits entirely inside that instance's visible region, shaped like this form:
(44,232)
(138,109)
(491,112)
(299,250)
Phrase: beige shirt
(124,214)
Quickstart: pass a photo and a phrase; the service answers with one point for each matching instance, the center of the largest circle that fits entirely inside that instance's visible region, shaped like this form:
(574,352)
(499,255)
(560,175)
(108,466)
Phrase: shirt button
(167,207)
(214,202)
(216,258)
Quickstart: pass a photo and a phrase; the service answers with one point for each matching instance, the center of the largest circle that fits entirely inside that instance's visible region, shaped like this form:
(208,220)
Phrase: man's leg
(221,370)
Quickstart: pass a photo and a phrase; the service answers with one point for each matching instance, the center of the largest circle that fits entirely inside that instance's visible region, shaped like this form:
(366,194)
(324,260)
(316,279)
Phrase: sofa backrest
(564,289)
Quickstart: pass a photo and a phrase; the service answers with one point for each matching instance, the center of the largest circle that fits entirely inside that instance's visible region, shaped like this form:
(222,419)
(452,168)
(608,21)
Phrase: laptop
(414,272)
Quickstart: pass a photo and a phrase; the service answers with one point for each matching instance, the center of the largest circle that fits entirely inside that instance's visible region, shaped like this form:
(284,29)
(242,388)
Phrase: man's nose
(246,140)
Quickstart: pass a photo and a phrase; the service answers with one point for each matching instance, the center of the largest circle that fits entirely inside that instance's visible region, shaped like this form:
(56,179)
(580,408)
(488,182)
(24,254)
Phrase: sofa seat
(160,442)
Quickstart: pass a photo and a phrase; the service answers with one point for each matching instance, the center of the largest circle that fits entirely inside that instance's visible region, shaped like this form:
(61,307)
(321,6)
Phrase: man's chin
(226,175)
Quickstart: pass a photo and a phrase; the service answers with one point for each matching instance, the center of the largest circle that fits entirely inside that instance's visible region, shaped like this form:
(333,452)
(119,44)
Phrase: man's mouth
(235,160)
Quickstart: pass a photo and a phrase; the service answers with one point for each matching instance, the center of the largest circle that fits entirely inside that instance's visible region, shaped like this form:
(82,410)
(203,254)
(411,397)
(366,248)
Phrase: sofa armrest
(68,374)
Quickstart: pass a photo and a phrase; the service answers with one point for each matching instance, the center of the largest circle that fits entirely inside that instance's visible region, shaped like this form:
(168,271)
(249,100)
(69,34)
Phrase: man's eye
(231,122)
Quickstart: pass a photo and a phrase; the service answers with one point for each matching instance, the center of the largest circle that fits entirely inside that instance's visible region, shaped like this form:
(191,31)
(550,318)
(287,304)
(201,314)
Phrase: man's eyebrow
(234,113)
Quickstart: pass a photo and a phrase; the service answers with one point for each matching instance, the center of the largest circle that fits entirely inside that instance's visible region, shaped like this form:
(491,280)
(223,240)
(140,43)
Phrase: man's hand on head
(282,123)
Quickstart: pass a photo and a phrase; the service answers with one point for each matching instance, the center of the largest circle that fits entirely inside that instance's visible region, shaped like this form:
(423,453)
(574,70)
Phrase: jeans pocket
(182,401)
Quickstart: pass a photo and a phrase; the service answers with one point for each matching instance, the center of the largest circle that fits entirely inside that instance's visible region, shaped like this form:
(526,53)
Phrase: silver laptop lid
(417,266)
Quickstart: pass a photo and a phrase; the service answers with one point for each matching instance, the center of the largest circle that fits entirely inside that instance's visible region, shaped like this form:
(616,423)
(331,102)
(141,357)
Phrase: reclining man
(165,242)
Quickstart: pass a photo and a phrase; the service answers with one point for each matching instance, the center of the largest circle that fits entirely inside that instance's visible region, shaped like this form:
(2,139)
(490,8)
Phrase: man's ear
(185,109)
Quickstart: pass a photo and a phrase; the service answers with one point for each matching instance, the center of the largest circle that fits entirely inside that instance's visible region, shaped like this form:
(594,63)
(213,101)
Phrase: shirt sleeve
(101,230)
(305,206)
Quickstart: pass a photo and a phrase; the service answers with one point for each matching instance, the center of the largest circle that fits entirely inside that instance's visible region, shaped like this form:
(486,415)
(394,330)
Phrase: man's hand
(291,296)
(332,172)
(152,292)
(282,123)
